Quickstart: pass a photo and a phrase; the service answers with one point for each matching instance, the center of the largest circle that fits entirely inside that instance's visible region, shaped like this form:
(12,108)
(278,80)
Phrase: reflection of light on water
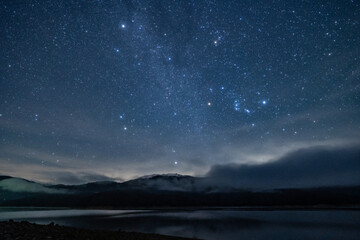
(195,215)
(58,213)
(205,224)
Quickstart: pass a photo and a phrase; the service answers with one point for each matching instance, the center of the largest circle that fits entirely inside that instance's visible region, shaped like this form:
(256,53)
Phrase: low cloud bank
(310,167)
(21,185)
(80,177)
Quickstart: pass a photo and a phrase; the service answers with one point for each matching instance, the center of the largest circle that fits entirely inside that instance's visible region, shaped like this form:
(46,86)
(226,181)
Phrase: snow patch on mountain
(165,182)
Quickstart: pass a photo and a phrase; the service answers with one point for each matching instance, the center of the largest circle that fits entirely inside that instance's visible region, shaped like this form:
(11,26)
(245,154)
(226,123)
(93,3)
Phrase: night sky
(96,90)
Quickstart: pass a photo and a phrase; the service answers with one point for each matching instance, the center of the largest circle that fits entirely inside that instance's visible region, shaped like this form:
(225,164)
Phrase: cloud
(80,177)
(308,167)
(21,185)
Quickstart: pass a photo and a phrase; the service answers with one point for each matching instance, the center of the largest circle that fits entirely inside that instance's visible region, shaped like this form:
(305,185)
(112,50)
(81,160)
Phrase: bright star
(123,26)
(264,102)
(237,105)
(209,103)
(175,162)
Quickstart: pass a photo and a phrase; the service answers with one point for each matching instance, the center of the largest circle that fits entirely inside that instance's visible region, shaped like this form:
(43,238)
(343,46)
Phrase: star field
(127,88)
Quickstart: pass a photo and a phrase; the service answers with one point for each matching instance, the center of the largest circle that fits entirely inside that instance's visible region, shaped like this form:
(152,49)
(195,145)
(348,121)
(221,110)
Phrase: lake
(224,224)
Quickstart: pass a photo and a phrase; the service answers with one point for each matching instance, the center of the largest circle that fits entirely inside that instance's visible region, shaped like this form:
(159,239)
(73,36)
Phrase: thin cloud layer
(310,167)
(80,177)
(21,185)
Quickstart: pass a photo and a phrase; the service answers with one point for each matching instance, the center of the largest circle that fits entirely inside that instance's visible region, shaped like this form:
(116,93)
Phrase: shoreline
(219,208)
(25,230)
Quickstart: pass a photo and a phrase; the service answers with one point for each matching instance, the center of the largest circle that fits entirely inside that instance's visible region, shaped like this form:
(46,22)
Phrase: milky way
(115,89)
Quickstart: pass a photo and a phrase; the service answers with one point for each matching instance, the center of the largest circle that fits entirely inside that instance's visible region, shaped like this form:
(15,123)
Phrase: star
(158,78)
(237,105)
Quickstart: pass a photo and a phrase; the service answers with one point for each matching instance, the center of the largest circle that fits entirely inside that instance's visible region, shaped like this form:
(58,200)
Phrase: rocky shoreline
(24,230)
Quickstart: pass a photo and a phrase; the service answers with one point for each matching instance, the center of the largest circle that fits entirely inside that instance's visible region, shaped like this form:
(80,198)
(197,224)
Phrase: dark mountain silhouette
(169,190)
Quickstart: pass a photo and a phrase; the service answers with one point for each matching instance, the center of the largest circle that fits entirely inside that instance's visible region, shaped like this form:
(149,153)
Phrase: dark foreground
(29,231)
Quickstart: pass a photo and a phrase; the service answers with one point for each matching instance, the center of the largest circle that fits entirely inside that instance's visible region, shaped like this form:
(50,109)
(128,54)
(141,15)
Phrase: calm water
(206,224)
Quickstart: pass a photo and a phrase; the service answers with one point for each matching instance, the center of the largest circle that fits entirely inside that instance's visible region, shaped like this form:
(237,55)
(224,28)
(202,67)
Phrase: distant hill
(168,190)
(17,188)
(4,177)
(165,182)
(169,182)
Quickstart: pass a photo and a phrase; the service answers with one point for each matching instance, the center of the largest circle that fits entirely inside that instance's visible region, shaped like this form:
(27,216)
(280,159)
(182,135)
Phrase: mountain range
(168,190)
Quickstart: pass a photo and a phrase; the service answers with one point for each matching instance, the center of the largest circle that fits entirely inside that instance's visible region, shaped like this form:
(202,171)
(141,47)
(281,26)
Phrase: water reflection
(208,224)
